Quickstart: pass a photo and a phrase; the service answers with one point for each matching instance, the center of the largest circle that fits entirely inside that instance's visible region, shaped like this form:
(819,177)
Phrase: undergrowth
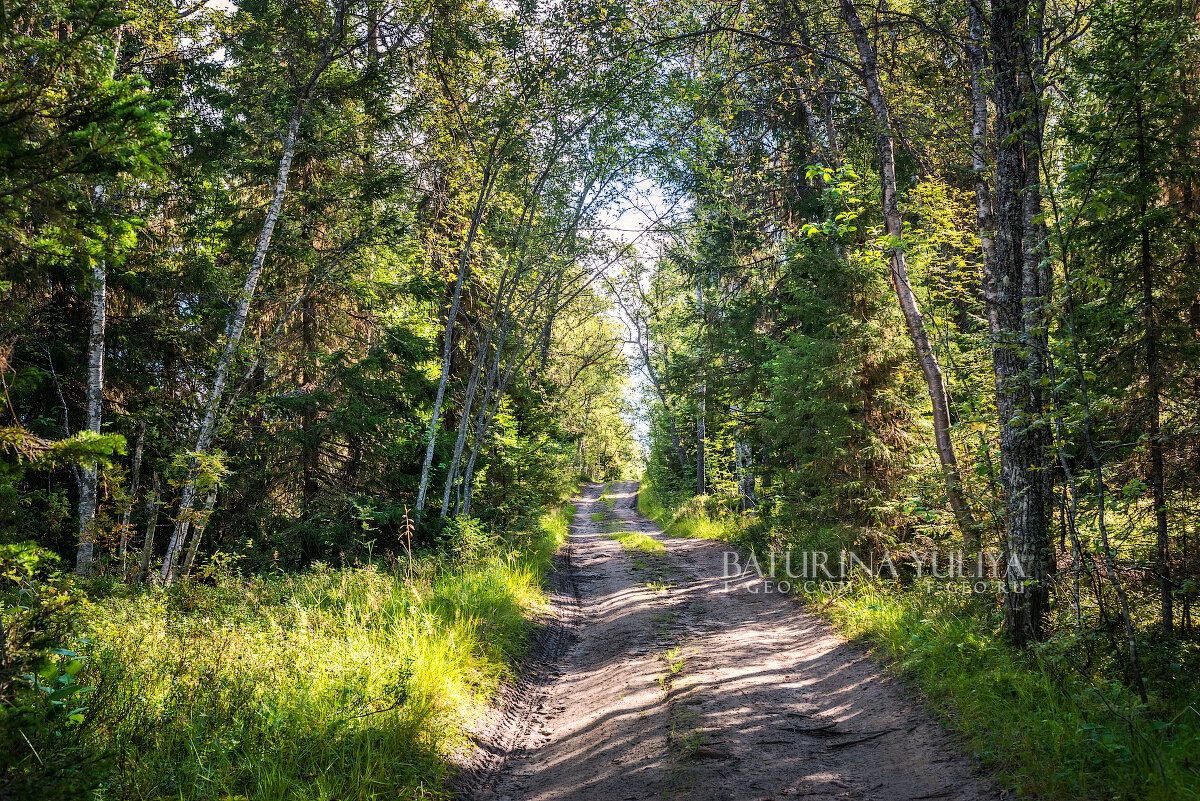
(353,683)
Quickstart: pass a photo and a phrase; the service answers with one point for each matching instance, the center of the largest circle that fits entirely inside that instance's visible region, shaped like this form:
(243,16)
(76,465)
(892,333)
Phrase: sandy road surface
(657,680)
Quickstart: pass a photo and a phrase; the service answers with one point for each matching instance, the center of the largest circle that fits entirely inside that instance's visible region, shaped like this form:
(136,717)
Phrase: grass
(674,657)
(1054,721)
(651,505)
(700,517)
(636,542)
(351,683)
(598,516)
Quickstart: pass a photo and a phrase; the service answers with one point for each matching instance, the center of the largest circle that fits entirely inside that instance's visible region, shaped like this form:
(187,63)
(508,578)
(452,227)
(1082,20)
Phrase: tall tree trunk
(477,369)
(464,426)
(464,260)
(984,213)
(88,473)
(233,337)
(152,507)
(236,326)
(201,525)
(1027,593)
(898,267)
(482,422)
(1036,277)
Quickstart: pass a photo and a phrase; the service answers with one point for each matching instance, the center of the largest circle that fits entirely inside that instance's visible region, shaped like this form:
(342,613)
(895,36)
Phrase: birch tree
(331,48)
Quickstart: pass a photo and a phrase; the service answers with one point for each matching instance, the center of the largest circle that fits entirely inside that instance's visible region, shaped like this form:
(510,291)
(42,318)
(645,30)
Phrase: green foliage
(320,437)
(707,517)
(43,697)
(69,124)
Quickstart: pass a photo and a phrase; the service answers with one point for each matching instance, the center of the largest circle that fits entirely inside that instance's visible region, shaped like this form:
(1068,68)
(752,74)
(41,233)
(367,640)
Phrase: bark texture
(1027,537)
(88,473)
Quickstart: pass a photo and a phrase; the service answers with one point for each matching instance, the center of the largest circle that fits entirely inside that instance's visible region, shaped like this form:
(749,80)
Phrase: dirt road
(656,680)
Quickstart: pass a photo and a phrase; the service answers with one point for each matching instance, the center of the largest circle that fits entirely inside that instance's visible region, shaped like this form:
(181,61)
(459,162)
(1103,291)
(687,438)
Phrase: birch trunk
(233,336)
(509,280)
(88,473)
(984,212)
(201,525)
(1026,595)
(909,306)
(464,424)
(482,421)
(237,323)
(134,477)
(435,416)
(497,386)
(1036,278)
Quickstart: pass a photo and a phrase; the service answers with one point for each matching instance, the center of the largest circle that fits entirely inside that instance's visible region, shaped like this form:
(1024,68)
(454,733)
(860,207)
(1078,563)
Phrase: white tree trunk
(95,401)
(435,417)
(237,323)
(233,337)
(201,525)
(984,212)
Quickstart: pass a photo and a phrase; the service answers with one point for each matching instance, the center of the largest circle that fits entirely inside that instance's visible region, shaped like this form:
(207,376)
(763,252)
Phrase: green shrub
(42,694)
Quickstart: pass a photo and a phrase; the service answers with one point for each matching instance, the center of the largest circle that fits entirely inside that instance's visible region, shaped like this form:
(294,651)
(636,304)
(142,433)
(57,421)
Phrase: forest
(318,318)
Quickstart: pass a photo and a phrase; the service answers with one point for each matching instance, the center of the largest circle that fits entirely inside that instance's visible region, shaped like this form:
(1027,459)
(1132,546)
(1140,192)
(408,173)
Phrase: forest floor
(655,678)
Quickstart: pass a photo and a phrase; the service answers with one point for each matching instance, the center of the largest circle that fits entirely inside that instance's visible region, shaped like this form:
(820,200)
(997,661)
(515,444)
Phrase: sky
(634,220)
